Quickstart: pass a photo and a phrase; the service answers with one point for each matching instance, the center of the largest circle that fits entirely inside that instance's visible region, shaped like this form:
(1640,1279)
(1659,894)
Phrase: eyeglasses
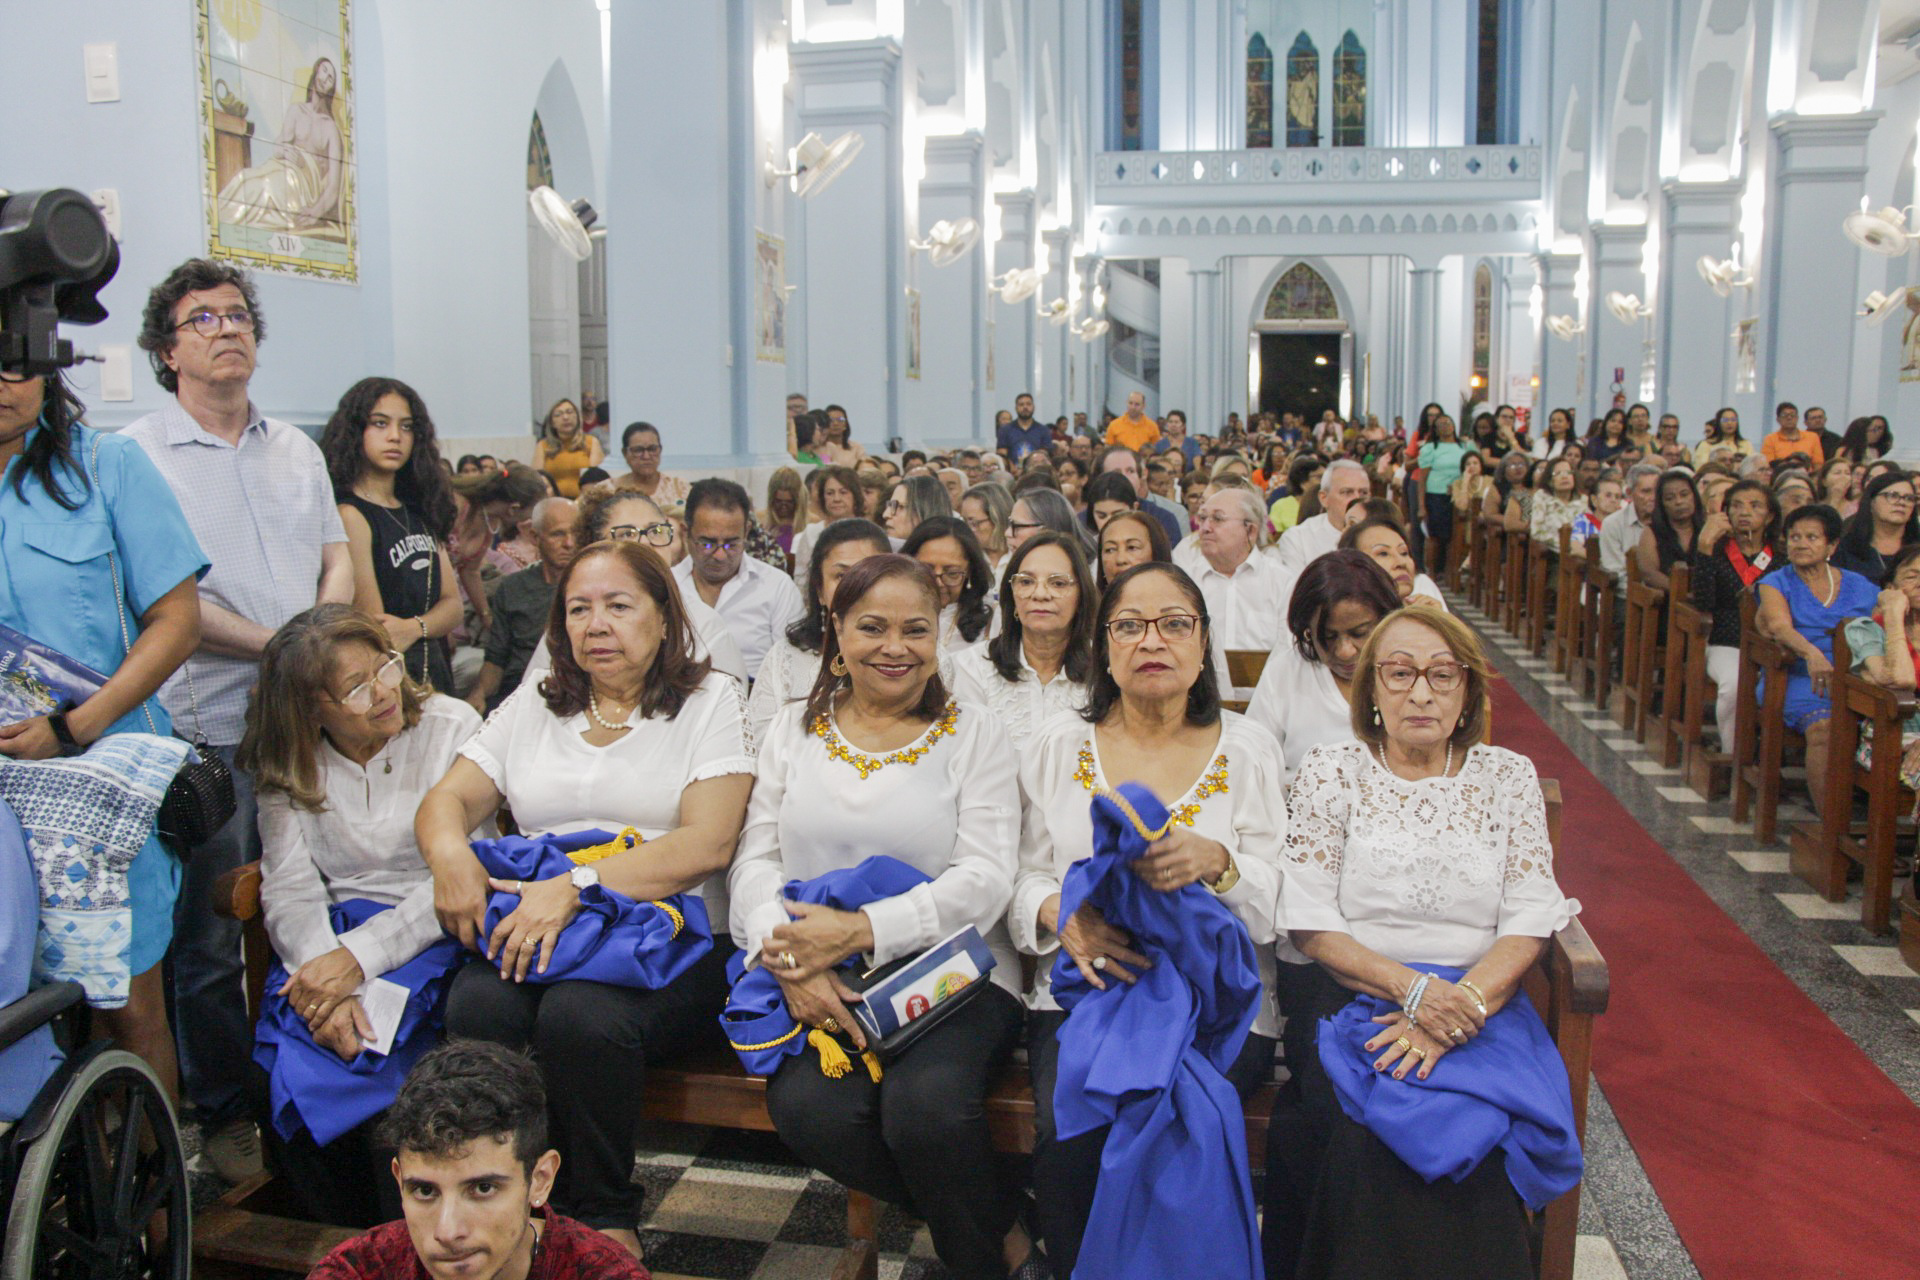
(894,506)
(950,577)
(209,323)
(711,545)
(658,534)
(643,450)
(360,697)
(1172,627)
(1217,518)
(1442,677)
(1025,584)
(1016,526)
(1898,499)
(982,525)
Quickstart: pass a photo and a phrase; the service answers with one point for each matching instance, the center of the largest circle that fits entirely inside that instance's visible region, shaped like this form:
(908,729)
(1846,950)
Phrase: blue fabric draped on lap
(1506,1088)
(311,1087)
(1150,1060)
(756,1020)
(615,939)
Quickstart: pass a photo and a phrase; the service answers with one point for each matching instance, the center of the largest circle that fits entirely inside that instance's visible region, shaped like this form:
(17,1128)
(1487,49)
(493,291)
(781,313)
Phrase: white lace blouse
(1433,871)
(952,810)
(1237,801)
(1023,705)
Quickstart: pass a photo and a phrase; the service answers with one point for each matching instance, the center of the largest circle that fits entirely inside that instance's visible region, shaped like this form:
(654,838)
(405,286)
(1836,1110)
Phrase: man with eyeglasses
(521,602)
(1245,591)
(1344,489)
(256,494)
(640,446)
(756,600)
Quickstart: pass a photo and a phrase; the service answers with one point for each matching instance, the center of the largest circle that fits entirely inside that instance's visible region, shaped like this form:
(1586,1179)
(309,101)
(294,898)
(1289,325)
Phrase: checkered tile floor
(726,1205)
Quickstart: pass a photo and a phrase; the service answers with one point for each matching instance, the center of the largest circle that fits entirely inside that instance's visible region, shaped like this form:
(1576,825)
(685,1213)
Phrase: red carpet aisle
(1777,1147)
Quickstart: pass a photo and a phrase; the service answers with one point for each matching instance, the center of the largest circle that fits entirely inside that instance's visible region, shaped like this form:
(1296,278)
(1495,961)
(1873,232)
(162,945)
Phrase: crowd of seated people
(877,701)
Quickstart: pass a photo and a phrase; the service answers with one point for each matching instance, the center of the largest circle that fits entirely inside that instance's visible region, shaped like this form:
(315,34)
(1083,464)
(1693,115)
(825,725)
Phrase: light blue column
(1614,346)
(1695,323)
(855,236)
(953,406)
(1811,268)
(1014,352)
(1559,361)
(1423,327)
(1054,387)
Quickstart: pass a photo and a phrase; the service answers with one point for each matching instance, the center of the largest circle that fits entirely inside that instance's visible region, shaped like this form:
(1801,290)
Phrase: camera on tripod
(55,257)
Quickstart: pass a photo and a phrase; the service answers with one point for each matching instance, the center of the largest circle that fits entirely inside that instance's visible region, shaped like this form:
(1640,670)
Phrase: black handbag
(200,800)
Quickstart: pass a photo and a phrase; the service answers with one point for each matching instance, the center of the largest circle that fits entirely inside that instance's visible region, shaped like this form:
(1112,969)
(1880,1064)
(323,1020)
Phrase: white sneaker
(234,1150)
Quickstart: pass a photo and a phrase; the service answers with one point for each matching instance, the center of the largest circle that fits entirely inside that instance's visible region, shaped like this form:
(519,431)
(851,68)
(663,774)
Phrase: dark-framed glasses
(711,545)
(1442,677)
(952,576)
(1171,626)
(360,697)
(657,534)
(209,323)
(643,450)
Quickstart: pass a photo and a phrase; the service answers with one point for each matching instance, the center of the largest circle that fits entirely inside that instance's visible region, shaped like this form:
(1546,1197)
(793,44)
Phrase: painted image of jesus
(299,188)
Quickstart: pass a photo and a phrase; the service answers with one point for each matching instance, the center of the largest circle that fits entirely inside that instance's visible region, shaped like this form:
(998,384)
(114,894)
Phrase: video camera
(55,257)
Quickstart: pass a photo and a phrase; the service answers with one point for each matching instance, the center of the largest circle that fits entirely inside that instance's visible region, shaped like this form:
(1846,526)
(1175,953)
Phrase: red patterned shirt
(568,1251)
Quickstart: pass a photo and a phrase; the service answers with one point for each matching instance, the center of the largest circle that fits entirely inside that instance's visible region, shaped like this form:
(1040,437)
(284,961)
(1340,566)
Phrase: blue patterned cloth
(1150,1059)
(29,1062)
(86,817)
(313,1088)
(1504,1089)
(613,939)
(756,1020)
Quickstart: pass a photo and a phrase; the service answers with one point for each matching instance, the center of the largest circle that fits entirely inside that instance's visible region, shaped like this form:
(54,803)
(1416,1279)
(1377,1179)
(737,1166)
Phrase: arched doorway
(1302,348)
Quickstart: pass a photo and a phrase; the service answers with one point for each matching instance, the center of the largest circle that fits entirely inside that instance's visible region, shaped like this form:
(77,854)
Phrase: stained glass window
(1303,93)
(1301,294)
(1482,323)
(539,160)
(1350,93)
(1259,92)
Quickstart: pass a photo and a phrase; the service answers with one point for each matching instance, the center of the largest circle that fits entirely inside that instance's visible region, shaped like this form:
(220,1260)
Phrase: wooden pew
(1823,849)
(1593,660)
(247,1232)
(1640,656)
(1761,736)
(1484,586)
(1671,729)
(1542,560)
(1513,590)
(1569,568)
(1460,548)
(1707,768)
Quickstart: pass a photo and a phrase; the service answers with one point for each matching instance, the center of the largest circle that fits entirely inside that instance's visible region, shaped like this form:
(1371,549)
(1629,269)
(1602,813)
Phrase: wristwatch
(69,745)
(583,877)
(1228,878)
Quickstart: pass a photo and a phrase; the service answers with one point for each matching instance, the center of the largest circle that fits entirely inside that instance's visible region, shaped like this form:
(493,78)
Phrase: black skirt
(1340,1205)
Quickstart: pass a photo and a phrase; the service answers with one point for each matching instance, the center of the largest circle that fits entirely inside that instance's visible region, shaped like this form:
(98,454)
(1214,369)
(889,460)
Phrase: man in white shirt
(1244,590)
(1172,516)
(1343,488)
(256,493)
(756,600)
(1620,532)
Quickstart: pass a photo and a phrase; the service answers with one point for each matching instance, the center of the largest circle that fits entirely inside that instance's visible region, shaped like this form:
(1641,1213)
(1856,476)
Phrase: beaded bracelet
(1415,991)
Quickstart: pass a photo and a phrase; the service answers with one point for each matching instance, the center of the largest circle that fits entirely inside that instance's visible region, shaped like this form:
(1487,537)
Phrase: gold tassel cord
(873,1065)
(1125,806)
(833,1059)
(771,1044)
(628,838)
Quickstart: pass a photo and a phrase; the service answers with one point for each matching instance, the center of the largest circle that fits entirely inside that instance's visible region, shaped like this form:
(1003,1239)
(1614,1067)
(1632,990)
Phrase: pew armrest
(236,894)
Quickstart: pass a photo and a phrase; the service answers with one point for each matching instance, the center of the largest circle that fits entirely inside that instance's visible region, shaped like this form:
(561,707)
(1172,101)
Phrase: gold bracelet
(1479,997)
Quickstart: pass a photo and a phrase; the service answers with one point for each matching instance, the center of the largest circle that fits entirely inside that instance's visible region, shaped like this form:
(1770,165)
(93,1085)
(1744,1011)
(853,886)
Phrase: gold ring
(1403,1044)
(1455,1033)
(313,1006)
(831,1024)
(787,961)
(1416,1053)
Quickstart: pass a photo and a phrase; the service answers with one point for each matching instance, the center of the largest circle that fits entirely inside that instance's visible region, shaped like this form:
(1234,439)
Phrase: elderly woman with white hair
(1245,589)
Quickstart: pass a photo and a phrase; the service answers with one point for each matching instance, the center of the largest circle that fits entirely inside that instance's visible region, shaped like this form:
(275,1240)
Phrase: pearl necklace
(593,711)
(1380,749)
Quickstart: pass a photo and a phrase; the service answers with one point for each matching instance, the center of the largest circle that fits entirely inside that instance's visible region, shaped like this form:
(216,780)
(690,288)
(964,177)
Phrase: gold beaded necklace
(1213,782)
(837,749)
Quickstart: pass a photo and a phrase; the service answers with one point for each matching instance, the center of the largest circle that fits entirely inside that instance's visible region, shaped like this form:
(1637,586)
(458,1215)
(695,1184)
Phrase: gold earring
(838,666)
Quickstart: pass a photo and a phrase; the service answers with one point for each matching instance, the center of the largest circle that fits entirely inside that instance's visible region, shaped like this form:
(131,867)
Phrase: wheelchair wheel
(105,1164)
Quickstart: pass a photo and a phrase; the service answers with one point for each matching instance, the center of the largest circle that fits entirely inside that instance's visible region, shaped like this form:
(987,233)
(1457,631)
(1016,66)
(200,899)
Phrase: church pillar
(1013,334)
(1209,371)
(1562,373)
(1053,338)
(1617,347)
(1695,323)
(952,403)
(1423,330)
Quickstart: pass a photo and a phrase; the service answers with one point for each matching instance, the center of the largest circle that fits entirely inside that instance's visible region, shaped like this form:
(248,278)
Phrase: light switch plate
(103,72)
(108,201)
(116,371)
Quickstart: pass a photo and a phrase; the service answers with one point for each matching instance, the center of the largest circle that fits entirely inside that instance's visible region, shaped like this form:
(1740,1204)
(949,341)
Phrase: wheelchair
(93,1176)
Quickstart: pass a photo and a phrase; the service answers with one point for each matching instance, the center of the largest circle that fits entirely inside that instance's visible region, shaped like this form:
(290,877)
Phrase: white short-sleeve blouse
(1433,871)
(953,812)
(1237,801)
(556,782)
(1298,702)
(1022,705)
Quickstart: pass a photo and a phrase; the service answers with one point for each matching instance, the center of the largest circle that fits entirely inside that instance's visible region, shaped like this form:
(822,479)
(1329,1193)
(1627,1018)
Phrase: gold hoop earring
(838,667)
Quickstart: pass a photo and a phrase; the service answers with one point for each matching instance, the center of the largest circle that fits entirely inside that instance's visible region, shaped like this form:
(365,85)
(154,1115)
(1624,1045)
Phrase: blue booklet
(36,680)
(923,984)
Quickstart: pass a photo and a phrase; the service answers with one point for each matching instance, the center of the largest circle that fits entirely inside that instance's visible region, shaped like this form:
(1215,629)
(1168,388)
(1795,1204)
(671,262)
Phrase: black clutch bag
(906,998)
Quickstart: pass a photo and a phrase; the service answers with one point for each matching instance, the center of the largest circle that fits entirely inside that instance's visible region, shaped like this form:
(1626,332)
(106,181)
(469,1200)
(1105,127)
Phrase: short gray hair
(1348,464)
(1251,508)
(1640,471)
(538,516)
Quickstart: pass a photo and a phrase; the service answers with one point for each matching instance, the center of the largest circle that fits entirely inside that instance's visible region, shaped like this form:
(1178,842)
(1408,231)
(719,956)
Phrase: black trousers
(594,1042)
(918,1138)
(1066,1174)
(347,1183)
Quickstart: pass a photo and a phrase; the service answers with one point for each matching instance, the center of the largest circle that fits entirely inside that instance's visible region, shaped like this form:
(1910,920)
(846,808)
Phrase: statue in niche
(299,189)
(1303,93)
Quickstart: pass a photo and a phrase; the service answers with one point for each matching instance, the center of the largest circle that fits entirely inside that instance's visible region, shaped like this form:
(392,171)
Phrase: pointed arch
(1259,92)
(1303,93)
(1299,291)
(1350,92)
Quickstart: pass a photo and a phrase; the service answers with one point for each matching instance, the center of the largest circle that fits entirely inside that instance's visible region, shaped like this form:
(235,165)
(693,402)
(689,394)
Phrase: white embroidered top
(1023,705)
(1432,871)
(1237,802)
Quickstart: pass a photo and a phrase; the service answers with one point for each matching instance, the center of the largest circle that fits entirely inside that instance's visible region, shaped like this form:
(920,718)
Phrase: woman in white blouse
(1412,842)
(1384,538)
(950,551)
(791,667)
(628,730)
(1154,717)
(880,760)
(836,495)
(1302,695)
(1039,663)
(341,747)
